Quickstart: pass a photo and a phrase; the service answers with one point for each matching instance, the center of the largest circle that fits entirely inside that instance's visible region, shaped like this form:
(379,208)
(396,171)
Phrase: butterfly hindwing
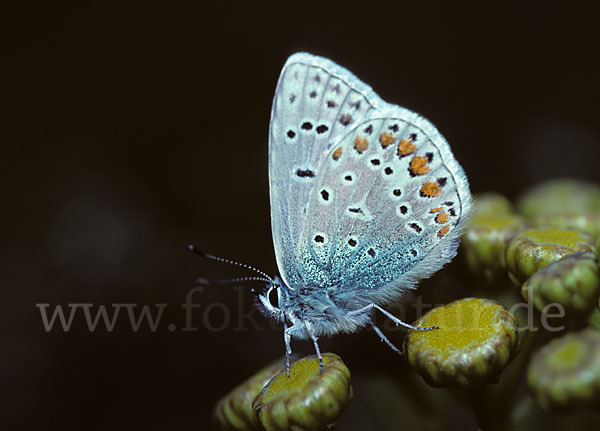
(387,208)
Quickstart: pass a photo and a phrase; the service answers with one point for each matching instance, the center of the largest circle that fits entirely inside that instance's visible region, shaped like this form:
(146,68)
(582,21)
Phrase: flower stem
(478,404)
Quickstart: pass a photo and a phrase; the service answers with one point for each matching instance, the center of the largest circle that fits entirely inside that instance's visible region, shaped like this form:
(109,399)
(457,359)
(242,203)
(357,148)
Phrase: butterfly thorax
(320,307)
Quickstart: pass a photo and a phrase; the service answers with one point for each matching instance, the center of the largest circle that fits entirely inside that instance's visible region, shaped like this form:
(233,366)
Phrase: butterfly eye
(273,296)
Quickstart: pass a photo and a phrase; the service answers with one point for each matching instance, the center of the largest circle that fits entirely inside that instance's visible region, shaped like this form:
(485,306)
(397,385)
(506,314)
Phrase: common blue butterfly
(366,199)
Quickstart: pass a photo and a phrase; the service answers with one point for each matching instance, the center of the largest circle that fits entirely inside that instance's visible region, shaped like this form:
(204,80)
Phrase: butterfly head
(273,299)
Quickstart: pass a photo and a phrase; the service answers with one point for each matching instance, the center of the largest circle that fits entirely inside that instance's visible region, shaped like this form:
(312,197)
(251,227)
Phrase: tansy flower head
(475,341)
(306,400)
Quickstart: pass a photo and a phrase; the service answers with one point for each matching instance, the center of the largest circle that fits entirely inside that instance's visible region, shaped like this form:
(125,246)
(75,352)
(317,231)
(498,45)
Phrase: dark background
(133,128)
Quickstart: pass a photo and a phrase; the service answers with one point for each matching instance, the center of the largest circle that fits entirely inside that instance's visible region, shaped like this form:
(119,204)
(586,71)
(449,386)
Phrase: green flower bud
(571,282)
(474,342)
(566,372)
(491,203)
(234,410)
(560,197)
(533,249)
(484,242)
(584,221)
(594,319)
(306,400)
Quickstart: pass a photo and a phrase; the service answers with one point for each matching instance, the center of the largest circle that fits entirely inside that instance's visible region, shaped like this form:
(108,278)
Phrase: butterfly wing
(366,197)
(316,103)
(388,207)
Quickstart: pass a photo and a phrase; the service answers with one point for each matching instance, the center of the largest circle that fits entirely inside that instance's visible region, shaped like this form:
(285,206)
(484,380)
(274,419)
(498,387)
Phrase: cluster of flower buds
(548,247)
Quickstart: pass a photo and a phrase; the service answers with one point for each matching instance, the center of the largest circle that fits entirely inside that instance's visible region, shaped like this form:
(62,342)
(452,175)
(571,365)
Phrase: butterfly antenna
(231,262)
(207,282)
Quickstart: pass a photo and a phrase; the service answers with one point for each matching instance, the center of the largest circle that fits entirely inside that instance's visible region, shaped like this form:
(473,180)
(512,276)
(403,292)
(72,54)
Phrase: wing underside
(365,196)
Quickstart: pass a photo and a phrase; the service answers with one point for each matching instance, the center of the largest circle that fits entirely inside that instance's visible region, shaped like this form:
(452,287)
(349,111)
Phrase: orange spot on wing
(406,147)
(435,210)
(418,165)
(361,144)
(443,231)
(430,189)
(386,139)
(442,218)
(337,153)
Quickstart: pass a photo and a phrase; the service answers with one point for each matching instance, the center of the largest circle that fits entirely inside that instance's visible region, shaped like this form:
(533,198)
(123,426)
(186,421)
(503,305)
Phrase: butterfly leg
(385,339)
(315,339)
(391,317)
(288,348)
(400,322)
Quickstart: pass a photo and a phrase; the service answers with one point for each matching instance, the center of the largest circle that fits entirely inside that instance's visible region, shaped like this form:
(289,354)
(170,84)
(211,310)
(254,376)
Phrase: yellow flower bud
(533,249)
(584,221)
(571,282)
(475,341)
(484,242)
(306,400)
(565,373)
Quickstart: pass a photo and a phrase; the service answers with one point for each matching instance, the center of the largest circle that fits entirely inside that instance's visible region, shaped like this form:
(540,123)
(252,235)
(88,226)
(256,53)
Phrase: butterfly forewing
(316,103)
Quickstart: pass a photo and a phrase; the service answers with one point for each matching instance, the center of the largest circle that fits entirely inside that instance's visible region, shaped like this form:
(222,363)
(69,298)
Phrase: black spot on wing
(303,173)
(322,129)
(415,227)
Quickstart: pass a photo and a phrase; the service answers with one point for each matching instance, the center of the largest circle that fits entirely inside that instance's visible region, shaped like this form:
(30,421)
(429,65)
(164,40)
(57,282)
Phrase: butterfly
(366,199)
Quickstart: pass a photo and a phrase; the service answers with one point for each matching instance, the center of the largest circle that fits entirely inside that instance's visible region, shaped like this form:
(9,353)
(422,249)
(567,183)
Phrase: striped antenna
(207,282)
(264,277)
